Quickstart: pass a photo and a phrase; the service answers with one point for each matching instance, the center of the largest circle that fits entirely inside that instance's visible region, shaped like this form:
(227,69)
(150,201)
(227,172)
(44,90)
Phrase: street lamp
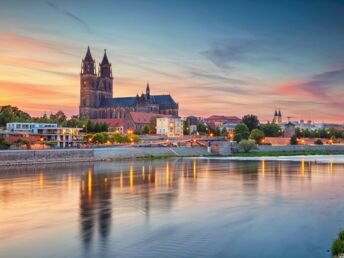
(42,141)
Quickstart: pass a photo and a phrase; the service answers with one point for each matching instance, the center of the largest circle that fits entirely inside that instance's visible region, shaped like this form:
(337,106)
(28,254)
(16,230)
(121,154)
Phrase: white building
(170,126)
(62,136)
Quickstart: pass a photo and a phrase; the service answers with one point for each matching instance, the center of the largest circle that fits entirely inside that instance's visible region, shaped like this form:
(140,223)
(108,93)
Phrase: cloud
(318,85)
(218,78)
(70,15)
(228,52)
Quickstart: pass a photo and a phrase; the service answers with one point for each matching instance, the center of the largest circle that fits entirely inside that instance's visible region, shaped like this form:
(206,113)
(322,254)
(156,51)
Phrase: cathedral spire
(148,90)
(87,66)
(105,67)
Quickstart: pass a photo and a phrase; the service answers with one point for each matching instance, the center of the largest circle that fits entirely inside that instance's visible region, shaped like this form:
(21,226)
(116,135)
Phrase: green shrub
(248,145)
(100,138)
(337,247)
(257,135)
(51,144)
(318,142)
(4,144)
(20,142)
(293,140)
(341,235)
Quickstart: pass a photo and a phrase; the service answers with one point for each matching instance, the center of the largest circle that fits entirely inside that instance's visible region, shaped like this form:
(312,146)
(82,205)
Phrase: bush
(25,142)
(4,144)
(293,140)
(257,135)
(318,142)
(51,144)
(248,145)
(100,138)
(337,247)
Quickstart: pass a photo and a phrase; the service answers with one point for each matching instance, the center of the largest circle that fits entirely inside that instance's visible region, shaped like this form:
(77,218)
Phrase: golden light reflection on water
(194,169)
(263,167)
(41,180)
(167,174)
(131,175)
(302,167)
(89,183)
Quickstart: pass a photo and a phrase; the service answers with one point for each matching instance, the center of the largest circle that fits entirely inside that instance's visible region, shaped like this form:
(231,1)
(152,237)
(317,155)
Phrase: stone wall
(285,148)
(13,157)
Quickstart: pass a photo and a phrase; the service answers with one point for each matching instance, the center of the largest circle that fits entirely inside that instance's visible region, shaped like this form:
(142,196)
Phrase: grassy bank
(283,153)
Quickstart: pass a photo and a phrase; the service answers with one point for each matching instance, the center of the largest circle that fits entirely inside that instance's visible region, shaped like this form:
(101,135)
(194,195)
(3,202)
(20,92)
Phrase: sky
(213,57)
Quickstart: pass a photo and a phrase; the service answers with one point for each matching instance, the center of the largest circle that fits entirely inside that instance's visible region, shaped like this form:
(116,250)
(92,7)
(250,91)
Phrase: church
(96,95)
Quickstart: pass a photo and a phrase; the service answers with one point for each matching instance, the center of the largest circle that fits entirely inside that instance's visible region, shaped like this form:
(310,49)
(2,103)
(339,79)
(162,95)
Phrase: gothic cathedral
(96,94)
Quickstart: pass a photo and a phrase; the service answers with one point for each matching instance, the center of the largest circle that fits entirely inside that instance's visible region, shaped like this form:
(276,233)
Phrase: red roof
(145,118)
(231,119)
(114,122)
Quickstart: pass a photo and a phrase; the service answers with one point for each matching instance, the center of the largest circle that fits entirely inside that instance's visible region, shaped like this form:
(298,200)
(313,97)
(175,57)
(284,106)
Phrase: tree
(251,121)
(248,145)
(271,130)
(104,127)
(59,117)
(186,130)
(12,114)
(224,132)
(4,144)
(217,131)
(144,129)
(240,132)
(202,128)
(257,135)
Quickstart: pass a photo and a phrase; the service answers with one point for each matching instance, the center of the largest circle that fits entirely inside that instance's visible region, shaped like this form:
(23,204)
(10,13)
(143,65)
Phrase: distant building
(217,121)
(289,129)
(229,127)
(62,136)
(96,95)
(192,124)
(277,118)
(170,126)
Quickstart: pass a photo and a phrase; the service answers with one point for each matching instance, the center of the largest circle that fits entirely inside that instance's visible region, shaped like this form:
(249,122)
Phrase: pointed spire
(276,113)
(88,56)
(279,113)
(105,60)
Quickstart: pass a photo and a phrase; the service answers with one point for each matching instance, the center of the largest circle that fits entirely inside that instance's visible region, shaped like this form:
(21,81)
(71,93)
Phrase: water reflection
(128,209)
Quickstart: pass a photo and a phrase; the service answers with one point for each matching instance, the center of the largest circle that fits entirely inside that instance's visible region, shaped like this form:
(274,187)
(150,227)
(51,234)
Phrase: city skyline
(226,58)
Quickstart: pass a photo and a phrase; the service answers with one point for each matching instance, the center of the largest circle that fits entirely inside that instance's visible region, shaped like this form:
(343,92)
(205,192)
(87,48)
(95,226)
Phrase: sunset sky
(214,57)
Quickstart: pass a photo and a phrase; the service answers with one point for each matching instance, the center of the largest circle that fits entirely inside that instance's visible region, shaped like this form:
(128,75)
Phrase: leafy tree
(104,127)
(241,132)
(12,114)
(271,130)
(251,121)
(224,132)
(248,145)
(186,130)
(144,129)
(59,117)
(217,131)
(202,128)
(257,135)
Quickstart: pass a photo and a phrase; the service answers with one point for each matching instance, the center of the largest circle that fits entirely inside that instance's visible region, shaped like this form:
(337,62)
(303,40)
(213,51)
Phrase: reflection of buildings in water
(95,204)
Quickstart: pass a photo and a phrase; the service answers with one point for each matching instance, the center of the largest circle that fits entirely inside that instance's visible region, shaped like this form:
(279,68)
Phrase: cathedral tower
(88,79)
(94,89)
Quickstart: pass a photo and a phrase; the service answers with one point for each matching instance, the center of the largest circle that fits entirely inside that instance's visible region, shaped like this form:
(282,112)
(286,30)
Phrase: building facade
(45,132)
(169,126)
(96,94)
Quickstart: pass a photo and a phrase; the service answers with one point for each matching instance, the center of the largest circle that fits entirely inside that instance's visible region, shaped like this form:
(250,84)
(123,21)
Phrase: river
(172,208)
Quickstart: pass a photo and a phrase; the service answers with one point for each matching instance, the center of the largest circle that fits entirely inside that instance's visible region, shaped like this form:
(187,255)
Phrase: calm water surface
(173,208)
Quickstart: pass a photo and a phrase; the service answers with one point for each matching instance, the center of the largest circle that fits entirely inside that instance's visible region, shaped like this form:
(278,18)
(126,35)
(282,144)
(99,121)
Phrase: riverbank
(285,153)
(28,157)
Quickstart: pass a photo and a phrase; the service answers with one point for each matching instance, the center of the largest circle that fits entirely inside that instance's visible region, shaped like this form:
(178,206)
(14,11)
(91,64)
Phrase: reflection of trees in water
(95,203)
